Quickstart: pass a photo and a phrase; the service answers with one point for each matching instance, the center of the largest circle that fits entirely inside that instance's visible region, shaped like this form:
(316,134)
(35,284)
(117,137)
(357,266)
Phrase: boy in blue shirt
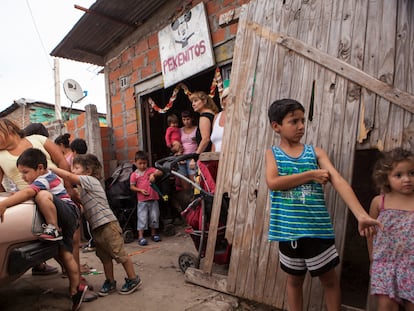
(60,213)
(299,220)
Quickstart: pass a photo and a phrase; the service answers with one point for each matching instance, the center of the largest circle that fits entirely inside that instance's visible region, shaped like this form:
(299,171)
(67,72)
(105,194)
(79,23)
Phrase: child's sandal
(156,238)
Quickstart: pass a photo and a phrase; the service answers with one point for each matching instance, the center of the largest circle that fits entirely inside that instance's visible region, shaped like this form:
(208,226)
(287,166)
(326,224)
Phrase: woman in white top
(218,124)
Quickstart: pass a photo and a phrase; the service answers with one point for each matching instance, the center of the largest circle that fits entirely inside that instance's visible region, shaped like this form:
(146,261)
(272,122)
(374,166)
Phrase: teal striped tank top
(300,211)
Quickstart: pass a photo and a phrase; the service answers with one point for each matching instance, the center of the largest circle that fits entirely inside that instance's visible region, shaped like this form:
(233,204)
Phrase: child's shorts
(313,254)
(109,243)
(68,215)
(148,214)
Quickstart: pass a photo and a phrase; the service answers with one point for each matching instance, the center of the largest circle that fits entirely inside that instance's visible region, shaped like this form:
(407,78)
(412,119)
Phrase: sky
(30,30)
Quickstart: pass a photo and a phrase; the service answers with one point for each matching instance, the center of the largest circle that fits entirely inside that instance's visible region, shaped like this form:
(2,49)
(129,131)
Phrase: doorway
(355,262)
(154,123)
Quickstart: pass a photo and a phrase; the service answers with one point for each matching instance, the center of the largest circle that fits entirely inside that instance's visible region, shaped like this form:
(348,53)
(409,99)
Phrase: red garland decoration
(217,82)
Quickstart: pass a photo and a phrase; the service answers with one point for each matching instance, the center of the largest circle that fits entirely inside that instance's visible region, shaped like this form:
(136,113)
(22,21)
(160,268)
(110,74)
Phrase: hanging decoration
(216,83)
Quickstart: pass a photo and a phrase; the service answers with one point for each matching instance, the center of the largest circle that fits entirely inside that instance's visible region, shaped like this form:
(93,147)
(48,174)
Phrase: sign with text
(185,46)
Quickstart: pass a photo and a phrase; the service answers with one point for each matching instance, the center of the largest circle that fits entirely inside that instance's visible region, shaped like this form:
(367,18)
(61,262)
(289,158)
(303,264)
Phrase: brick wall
(141,60)
(98,138)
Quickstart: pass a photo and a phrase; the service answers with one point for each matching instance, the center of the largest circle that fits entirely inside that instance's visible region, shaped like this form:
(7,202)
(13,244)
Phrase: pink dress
(392,271)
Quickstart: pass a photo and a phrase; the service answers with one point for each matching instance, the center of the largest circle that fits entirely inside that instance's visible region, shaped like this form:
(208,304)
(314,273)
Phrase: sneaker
(156,238)
(78,297)
(50,233)
(142,242)
(130,285)
(107,288)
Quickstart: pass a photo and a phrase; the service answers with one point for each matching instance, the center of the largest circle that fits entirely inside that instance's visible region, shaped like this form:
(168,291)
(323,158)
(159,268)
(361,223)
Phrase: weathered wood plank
(394,135)
(370,66)
(217,282)
(257,140)
(244,83)
(385,90)
(275,279)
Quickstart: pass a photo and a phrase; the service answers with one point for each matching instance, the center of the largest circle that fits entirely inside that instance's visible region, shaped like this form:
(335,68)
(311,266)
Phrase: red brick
(70,126)
(153,40)
(131,154)
(212,7)
(218,36)
(80,120)
(131,128)
(233,29)
(132,141)
(81,133)
(127,55)
(114,75)
(117,121)
(120,144)
(116,98)
(138,61)
(158,65)
(114,64)
(141,47)
(116,108)
(152,55)
(146,71)
(126,69)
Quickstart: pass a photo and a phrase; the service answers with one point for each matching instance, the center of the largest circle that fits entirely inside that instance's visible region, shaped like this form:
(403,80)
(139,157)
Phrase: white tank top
(217,133)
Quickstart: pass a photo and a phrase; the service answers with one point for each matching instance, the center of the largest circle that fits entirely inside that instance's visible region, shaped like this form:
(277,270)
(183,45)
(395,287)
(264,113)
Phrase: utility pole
(58,108)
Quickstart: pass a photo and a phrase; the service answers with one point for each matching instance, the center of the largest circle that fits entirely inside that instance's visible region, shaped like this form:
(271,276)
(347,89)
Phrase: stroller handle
(166,165)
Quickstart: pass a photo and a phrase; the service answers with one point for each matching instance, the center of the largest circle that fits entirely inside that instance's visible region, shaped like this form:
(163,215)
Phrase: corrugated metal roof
(104,25)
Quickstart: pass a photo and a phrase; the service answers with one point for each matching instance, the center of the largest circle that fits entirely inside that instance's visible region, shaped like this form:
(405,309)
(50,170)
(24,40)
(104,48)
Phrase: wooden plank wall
(375,36)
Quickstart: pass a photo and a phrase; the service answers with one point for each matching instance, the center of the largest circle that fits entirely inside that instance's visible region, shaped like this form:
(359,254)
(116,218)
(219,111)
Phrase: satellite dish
(73,90)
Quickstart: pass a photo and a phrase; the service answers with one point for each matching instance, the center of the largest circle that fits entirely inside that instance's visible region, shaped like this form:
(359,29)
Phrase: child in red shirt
(148,211)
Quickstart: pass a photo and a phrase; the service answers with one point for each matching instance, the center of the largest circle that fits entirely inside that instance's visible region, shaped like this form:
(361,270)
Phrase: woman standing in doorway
(207,108)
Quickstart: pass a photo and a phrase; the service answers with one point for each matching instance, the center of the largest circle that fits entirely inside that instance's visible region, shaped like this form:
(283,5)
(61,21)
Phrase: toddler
(148,211)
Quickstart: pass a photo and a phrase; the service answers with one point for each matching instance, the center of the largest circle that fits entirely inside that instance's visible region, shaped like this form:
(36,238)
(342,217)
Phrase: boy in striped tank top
(299,220)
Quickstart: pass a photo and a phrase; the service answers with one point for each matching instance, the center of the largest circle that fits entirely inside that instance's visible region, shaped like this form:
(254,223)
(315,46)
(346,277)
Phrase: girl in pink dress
(392,249)
(189,143)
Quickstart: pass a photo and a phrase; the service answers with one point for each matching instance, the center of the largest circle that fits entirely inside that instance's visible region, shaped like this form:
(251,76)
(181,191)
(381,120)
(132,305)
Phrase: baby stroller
(122,200)
(198,212)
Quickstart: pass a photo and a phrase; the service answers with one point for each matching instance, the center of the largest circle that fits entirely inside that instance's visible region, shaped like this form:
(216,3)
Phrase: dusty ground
(163,286)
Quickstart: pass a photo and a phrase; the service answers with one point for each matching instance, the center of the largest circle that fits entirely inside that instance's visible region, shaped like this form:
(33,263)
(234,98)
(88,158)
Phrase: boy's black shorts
(313,254)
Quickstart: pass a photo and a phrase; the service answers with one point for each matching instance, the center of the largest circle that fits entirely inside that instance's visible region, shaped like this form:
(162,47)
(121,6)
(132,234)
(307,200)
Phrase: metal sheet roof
(104,25)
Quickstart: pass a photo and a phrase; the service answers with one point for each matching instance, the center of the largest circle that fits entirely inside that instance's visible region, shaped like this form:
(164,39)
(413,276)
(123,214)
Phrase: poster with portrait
(185,46)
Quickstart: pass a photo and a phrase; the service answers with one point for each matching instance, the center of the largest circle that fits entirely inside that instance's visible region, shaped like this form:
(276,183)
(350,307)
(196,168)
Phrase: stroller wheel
(187,260)
(128,236)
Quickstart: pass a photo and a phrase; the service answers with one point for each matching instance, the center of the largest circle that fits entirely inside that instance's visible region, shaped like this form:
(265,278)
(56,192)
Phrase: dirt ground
(163,288)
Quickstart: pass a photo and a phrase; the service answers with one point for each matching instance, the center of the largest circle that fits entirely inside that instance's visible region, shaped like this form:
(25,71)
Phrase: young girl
(106,230)
(392,250)
(188,139)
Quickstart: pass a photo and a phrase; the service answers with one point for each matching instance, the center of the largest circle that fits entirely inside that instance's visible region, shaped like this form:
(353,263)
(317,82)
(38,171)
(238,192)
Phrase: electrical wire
(38,34)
